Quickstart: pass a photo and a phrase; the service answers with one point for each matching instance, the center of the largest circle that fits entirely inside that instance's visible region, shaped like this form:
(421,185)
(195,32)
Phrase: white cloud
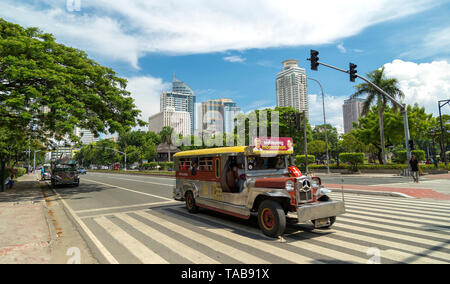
(424,83)
(146,91)
(341,48)
(432,42)
(126,30)
(234,59)
(333,110)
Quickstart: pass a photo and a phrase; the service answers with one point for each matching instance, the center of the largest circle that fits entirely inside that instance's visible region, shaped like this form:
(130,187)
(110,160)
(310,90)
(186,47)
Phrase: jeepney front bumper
(319,210)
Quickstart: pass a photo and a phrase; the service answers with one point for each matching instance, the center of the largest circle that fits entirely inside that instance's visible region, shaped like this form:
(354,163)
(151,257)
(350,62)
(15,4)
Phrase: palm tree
(166,137)
(390,86)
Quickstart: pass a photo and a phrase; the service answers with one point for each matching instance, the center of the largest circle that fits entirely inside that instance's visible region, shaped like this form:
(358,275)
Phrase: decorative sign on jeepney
(272,145)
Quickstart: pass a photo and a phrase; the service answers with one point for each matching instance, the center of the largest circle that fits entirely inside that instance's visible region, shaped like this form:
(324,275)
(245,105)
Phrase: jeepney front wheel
(271,218)
(190,202)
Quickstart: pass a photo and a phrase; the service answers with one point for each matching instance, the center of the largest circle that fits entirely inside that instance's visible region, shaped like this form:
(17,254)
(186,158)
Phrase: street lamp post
(34,159)
(324,123)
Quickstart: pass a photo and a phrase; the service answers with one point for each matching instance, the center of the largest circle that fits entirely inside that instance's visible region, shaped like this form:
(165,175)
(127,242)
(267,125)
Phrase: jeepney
(64,174)
(242,181)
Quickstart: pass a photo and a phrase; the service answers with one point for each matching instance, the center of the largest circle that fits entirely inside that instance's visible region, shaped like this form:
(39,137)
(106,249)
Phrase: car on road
(242,181)
(82,171)
(64,174)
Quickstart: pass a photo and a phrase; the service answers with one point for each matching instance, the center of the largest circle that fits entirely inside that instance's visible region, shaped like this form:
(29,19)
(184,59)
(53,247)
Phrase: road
(133,219)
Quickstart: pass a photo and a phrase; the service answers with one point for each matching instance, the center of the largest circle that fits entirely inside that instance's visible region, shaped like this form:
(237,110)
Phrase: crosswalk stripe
(405,208)
(385,233)
(393,200)
(365,213)
(341,256)
(403,257)
(395,224)
(142,252)
(396,228)
(445,209)
(172,244)
(376,239)
(260,245)
(388,212)
(299,244)
(204,240)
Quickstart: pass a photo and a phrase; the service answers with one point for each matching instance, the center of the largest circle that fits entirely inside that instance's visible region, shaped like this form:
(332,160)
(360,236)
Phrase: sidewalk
(24,230)
(34,228)
(436,187)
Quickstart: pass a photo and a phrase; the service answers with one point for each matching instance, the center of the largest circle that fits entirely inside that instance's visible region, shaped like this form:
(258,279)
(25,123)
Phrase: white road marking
(135,247)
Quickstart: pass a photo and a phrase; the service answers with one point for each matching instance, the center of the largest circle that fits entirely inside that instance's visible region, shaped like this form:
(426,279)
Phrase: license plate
(322,222)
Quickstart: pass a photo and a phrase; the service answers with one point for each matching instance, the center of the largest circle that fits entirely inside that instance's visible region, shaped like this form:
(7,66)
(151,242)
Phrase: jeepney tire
(271,218)
(190,202)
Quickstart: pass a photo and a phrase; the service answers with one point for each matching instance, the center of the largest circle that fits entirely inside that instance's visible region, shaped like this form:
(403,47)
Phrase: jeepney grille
(304,191)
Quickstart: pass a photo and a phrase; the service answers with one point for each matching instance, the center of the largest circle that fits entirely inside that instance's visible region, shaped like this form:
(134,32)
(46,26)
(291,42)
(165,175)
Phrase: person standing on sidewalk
(414,166)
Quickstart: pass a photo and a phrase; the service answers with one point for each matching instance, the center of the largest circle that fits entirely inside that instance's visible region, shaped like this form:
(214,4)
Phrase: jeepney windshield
(255,163)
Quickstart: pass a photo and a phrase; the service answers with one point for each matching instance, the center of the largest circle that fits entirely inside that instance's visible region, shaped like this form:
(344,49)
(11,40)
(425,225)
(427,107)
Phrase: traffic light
(411,144)
(314,59)
(353,72)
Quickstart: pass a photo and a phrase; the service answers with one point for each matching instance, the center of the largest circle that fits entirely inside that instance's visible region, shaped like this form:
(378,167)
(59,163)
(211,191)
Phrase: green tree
(47,89)
(317,147)
(390,86)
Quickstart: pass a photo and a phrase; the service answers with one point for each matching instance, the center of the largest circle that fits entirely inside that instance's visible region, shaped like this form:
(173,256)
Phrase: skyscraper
(86,135)
(292,90)
(352,109)
(217,116)
(180,121)
(182,98)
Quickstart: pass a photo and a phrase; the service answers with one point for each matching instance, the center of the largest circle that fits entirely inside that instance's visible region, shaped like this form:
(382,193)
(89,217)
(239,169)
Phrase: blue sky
(234,49)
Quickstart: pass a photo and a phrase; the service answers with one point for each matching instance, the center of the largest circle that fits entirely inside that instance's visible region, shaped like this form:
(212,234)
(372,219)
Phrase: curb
(52,231)
(95,251)
(368,192)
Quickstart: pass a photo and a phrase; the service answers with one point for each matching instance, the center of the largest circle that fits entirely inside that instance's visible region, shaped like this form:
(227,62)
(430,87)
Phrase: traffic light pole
(402,106)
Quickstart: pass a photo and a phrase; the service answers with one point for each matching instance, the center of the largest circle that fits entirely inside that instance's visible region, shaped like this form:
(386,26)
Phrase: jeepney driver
(240,176)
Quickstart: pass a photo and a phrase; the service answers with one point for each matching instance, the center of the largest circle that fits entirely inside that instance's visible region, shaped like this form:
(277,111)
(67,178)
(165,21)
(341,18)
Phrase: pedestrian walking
(414,167)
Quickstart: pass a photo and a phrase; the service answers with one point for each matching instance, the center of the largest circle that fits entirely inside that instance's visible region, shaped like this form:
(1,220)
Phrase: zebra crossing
(374,229)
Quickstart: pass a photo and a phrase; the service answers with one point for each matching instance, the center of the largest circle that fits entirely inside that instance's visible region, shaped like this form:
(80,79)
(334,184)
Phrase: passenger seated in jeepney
(231,177)
(194,167)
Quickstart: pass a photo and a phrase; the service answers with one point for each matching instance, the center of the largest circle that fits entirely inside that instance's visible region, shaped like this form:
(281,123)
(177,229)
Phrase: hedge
(353,158)
(300,159)
(401,155)
(379,166)
(153,165)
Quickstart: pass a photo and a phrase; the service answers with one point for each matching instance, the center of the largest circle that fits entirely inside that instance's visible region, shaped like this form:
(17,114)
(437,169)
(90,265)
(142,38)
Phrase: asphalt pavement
(133,219)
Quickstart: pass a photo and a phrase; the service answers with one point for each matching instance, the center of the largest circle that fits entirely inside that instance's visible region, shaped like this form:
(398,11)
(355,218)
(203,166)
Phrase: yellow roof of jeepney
(212,151)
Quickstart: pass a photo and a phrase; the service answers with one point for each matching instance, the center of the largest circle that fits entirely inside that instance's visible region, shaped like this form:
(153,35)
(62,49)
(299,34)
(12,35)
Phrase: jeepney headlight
(289,186)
